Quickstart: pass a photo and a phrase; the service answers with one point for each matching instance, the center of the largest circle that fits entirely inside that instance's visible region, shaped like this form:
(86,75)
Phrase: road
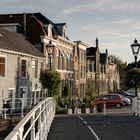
(113,126)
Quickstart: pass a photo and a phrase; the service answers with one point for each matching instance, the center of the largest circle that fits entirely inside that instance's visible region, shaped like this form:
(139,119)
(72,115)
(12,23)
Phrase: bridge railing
(136,106)
(36,124)
(17,106)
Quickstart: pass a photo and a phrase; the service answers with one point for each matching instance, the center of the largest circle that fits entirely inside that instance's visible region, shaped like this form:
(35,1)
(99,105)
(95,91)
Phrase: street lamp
(135,49)
(50,50)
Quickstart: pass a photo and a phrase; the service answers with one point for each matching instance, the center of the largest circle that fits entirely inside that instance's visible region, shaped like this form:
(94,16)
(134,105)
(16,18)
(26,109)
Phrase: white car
(126,101)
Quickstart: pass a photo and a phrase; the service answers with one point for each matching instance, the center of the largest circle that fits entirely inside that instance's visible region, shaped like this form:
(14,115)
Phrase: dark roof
(39,17)
(16,42)
(91,51)
(45,21)
(103,58)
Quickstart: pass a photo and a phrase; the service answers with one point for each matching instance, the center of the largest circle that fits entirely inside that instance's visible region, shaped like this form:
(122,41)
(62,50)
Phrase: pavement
(117,124)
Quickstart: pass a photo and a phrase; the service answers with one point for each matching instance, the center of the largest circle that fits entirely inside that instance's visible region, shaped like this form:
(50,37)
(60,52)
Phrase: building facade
(20,66)
(102,73)
(80,68)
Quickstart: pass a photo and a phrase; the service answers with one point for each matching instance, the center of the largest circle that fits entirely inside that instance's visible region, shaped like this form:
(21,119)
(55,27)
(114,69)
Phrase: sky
(116,23)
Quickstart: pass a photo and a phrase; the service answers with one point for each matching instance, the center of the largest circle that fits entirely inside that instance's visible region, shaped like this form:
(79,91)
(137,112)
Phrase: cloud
(102,5)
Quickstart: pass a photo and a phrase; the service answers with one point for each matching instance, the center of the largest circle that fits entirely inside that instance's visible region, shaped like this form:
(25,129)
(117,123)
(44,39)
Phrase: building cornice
(65,41)
(21,54)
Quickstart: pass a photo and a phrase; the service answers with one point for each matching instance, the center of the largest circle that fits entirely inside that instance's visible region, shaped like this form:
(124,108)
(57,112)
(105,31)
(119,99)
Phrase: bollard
(104,108)
(95,109)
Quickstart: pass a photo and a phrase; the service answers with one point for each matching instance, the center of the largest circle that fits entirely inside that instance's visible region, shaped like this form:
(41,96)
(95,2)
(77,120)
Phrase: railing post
(33,127)
(39,125)
(35,97)
(22,107)
(20,135)
(5,116)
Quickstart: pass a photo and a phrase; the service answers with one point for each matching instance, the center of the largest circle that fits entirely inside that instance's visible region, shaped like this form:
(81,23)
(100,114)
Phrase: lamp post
(135,50)
(50,50)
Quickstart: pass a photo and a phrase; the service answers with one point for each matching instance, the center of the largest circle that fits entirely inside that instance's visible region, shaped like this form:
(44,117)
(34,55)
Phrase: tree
(52,81)
(122,69)
(90,91)
(133,79)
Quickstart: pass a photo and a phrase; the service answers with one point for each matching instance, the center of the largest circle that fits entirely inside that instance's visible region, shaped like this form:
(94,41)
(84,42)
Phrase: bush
(60,110)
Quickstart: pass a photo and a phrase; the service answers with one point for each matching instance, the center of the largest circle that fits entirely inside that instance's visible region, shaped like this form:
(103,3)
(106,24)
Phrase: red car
(110,100)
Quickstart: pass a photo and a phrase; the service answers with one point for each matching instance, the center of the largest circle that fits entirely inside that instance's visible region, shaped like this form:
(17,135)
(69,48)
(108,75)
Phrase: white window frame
(26,68)
(36,68)
(13,97)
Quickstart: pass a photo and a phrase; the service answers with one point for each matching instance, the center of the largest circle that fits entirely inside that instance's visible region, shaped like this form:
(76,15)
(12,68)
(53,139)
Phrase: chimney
(24,24)
(97,43)
(106,51)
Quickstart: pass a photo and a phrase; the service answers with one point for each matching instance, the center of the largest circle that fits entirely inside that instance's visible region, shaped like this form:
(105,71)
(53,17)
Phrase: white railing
(36,124)
(136,106)
(17,106)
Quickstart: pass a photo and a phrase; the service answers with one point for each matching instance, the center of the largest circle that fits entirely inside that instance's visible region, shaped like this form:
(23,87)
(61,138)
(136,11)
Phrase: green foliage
(52,81)
(121,64)
(115,86)
(90,91)
(133,78)
(60,110)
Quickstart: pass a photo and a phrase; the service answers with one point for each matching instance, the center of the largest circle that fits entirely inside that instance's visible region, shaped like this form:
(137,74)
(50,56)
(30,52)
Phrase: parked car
(126,101)
(110,100)
(127,95)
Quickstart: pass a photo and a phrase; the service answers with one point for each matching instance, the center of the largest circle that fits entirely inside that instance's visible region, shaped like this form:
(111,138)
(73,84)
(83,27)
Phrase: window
(81,72)
(59,60)
(2,66)
(22,92)
(10,93)
(23,68)
(115,97)
(41,66)
(106,97)
(62,55)
(34,68)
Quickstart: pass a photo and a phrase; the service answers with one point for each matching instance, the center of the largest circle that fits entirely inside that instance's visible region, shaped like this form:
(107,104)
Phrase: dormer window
(50,30)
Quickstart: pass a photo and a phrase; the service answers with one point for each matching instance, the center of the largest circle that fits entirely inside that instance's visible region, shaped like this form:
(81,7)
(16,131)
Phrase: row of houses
(23,54)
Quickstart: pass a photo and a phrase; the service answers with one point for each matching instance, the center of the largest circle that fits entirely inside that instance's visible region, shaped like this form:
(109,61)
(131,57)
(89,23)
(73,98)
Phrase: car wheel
(118,105)
(124,103)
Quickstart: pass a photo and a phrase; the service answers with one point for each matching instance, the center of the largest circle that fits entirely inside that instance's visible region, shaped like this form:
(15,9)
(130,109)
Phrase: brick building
(39,30)
(102,74)
(80,68)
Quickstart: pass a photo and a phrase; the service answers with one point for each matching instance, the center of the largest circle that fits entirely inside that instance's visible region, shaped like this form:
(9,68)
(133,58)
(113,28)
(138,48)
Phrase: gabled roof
(45,21)
(16,42)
